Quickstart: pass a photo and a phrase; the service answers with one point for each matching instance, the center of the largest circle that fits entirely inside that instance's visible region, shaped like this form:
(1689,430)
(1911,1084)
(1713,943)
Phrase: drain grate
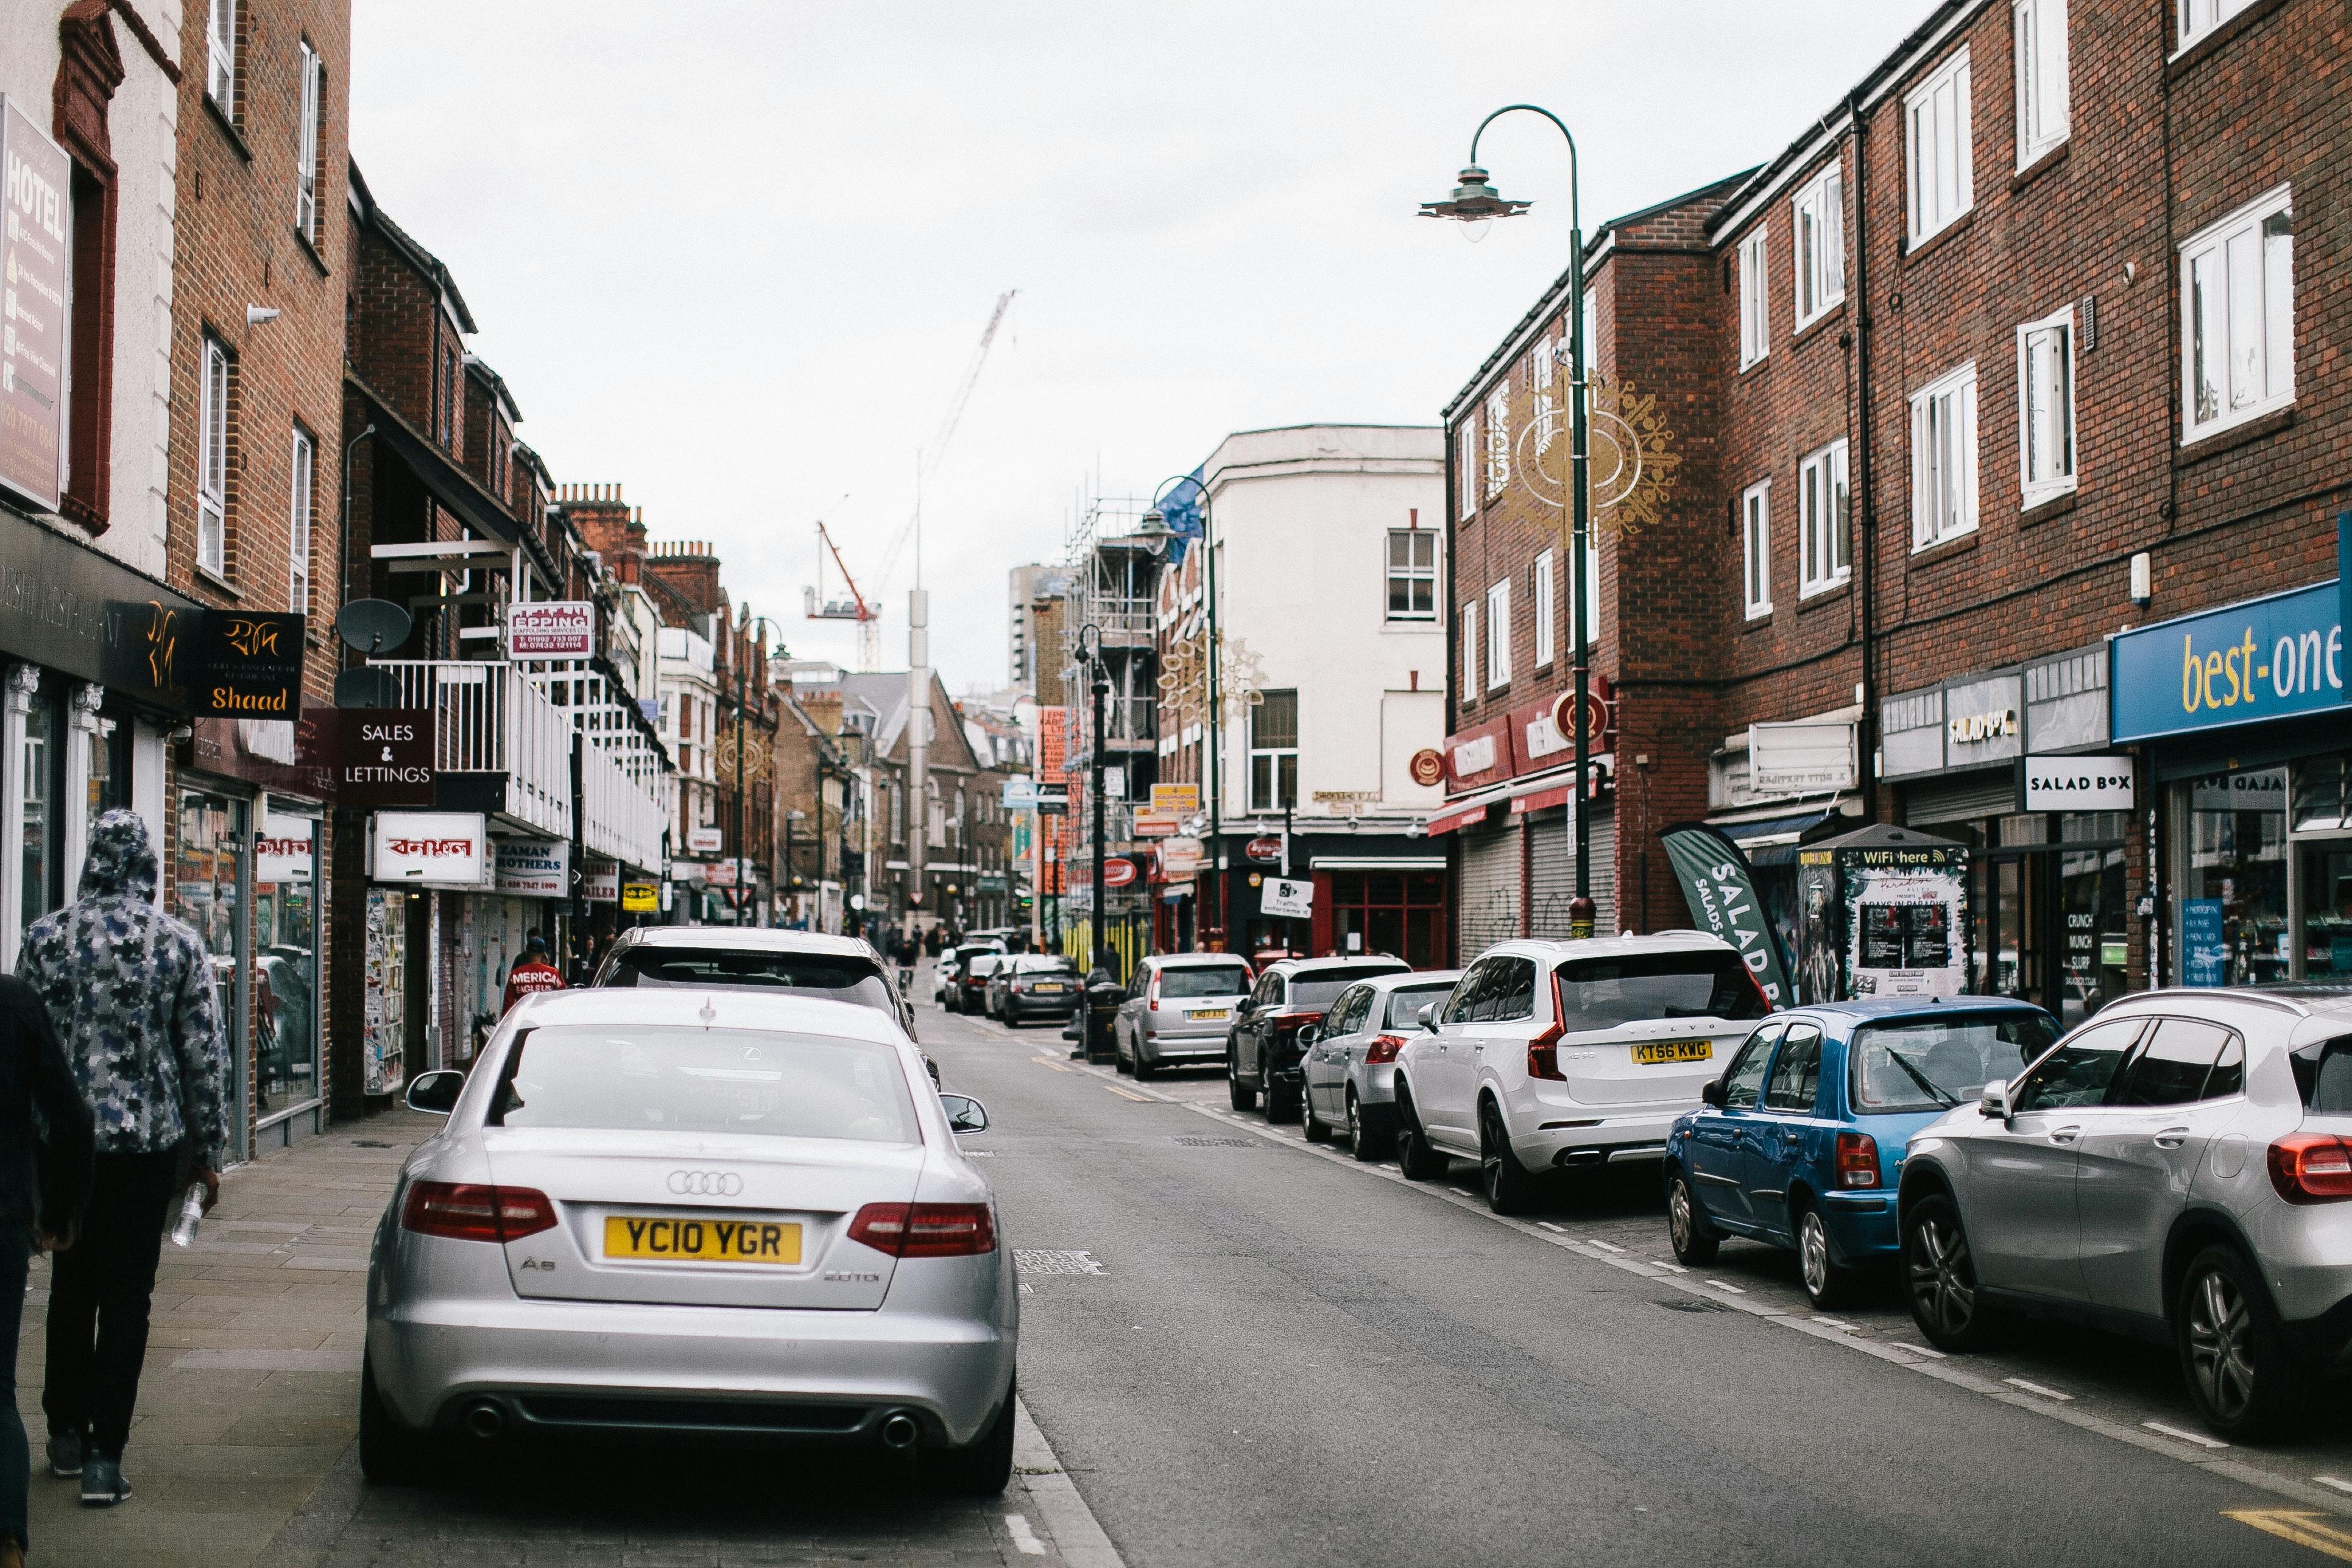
(1190,1141)
(1693,1304)
(371,1143)
(1056,1260)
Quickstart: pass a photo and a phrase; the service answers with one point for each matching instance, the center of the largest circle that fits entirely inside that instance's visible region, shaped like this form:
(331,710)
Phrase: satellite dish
(367,687)
(372,626)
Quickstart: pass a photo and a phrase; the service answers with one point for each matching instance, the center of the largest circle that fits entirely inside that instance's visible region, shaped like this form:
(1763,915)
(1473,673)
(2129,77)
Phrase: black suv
(1262,1053)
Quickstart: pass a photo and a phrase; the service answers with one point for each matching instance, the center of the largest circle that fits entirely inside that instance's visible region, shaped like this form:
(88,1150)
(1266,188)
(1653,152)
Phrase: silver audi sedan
(708,1213)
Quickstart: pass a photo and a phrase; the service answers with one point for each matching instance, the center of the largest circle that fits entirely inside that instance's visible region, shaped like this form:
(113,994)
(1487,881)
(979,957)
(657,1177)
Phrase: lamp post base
(1580,913)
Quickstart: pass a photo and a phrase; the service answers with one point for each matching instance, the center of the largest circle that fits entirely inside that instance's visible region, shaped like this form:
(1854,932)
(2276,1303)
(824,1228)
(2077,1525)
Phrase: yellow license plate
(1212,1013)
(648,1238)
(1048,986)
(1656,1053)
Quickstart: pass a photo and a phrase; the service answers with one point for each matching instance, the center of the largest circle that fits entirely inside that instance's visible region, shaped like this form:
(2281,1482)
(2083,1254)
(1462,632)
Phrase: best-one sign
(551,628)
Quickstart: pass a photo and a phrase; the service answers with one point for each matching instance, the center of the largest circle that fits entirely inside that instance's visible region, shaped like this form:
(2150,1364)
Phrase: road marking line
(2334,1482)
(1023,1538)
(2302,1529)
(1721,1286)
(2037,1388)
(1129,1094)
(1050,1062)
(1669,1268)
(1605,1246)
(1930,1352)
(2199,1438)
(1549,1225)
(1839,1323)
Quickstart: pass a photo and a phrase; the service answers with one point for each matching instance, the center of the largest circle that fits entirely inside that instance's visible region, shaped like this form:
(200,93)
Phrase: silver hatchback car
(1350,1068)
(1176,1010)
(669,1211)
(2180,1167)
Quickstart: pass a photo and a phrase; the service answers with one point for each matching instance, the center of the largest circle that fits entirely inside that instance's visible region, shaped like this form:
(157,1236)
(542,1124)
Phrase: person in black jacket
(44,1173)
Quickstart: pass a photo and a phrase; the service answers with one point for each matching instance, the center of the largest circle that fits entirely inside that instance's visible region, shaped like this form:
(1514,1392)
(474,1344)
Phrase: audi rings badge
(705,1184)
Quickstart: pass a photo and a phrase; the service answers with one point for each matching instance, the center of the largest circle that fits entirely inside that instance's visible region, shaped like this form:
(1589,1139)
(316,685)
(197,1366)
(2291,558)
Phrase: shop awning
(1774,840)
(1378,862)
(1463,813)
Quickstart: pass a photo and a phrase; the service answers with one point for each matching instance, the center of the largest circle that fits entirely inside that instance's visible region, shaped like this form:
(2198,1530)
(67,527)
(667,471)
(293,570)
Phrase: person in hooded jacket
(130,992)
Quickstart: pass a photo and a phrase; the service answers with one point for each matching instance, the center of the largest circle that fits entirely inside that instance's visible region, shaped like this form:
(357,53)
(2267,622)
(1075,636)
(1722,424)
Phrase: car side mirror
(1308,1034)
(436,1093)
(1711,1093)
(965,1114)
(1428,1016)
(1995,1100)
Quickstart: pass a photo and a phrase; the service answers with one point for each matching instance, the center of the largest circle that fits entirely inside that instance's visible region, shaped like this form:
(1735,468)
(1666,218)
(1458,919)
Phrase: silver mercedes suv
(2178,1167)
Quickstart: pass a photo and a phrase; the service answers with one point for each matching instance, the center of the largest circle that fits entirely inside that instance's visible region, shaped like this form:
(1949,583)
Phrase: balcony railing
(618,818)
(489,719)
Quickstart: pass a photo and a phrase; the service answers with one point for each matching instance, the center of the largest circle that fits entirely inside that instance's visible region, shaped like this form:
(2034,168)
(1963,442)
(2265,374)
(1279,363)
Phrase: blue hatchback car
(1799,1144)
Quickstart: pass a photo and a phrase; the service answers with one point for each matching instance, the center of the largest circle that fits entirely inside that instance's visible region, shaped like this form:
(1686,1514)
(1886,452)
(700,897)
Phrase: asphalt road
(1286,1358)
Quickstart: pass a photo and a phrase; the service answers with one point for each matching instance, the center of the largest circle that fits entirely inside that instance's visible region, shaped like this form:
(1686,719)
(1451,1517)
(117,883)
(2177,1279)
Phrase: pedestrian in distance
(130,992)
(531,972)
(45,1164)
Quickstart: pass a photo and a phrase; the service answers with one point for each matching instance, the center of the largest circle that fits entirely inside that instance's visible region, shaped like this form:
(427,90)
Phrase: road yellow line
(1129,1094)
(2303,1528)
(1050,1062)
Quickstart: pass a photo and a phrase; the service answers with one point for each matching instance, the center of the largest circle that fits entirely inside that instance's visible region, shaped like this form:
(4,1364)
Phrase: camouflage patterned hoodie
(130,990)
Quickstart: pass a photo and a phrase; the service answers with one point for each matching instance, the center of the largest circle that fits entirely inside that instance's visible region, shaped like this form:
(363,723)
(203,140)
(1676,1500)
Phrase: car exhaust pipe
(1579,1158)
(899,1430)
(486,1419)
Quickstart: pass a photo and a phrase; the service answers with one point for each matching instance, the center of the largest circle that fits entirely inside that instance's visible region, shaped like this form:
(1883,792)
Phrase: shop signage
(1265,851)
(2075,784)
(2204,943)
(1542,737)
(2261,791)
(1720,888)
(704,873)
(250,667)
(1805,757)
(1428,767)
(600,881)
(1053,744)
(1981,721)
(383,756)
(532,868)
(1971,728)
(2274,658)
(1181,798)
(1118,873)
(1020,795)
(430,848)
(1180,858)
(551,628)
(286,850)
(1056,803)
(85,614)
(1152,823)
(1286,899)
(1474,755)
(33,343)
(704,840)
(638,897)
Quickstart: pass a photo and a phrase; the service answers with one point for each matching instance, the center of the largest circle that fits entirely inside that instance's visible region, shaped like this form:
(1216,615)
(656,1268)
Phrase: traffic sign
(1118,873)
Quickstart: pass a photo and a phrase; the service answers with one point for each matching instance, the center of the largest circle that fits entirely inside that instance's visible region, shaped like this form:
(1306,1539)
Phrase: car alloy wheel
(2222,1345)
(1692,1244)
(1826,1282)
(1940,1275)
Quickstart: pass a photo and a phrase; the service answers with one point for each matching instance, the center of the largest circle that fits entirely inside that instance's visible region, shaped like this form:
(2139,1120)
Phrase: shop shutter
(1486,904)
(1554,884)
(1960,798)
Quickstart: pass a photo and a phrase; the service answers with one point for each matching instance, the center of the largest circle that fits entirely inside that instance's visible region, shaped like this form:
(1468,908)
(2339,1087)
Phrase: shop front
(2240,713)
(1511,831)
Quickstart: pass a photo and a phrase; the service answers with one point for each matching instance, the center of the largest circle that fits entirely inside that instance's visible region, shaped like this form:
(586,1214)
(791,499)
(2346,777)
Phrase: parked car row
(2178,1167)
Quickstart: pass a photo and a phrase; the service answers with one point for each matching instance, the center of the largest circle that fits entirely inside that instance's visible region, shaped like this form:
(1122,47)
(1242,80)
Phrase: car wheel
(1828,1284)
(1243,1097)
(982,1469)
(1363,1141)
(2241,1373)
(1415,1157)
(1317,1130)
(1509,1186)
(1940,1276)
(1118,1049)
(1143,1069)
(1695,1241)
(391,1455)
(1281,1102)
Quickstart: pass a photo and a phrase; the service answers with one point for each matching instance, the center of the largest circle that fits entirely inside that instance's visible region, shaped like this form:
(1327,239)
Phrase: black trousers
(99,1293)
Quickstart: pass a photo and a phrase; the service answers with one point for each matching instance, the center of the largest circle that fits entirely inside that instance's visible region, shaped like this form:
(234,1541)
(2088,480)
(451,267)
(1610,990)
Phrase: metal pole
(740,739)
(1581,908)
(1213,748)
(1101,690)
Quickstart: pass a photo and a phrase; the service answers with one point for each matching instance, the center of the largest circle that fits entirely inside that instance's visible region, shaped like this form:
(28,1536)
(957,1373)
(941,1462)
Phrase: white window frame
(1543,408)
(2039,29)
(212,459)
(1273,799)
(1755,321)
(1546,598)
(1943,459)
(220,55)
(1756,550)
(1937,150)
(1817,226)
(2199,17)
(1498,634)
(1469,654)
(2058,423)
(1411,572)
(1498,441)
(1825,521)
(306,171)
(303,469)
(1468,461)
(2246,233)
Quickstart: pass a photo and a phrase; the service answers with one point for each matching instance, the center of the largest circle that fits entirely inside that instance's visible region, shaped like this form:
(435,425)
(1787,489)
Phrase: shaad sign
(250,666)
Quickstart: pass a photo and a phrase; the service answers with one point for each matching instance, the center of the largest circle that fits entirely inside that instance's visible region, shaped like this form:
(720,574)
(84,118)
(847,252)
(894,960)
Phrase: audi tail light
(1543,1051)
(472,1211)
(2312,1168)
(926,1230)
(1857,1160)
(1383,1048)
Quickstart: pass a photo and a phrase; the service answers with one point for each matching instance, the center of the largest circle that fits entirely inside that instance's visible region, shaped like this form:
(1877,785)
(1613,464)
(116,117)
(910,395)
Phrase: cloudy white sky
(738,255)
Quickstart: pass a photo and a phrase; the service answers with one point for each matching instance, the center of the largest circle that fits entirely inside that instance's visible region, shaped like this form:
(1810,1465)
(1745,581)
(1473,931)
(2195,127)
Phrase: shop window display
(204,883)
(38,831)
(286,965)
(2232,902)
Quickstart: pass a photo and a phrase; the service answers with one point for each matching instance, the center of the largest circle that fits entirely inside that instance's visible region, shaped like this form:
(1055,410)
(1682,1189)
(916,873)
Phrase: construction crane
(937,447)
(867,613)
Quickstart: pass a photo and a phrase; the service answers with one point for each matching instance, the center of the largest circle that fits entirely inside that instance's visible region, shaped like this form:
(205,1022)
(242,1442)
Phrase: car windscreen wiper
(1942,1097)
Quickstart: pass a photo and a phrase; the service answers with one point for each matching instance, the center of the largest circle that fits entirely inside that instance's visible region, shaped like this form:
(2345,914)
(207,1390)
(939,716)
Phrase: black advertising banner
(383,756)
(249,667)
(1721,892)
(36,262)
(64,605)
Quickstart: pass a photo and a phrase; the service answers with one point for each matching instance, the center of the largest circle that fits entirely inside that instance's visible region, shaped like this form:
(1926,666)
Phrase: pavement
(1236,1349)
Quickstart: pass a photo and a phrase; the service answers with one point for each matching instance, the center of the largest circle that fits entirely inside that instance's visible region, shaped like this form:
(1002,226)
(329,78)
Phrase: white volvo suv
(1553,1055)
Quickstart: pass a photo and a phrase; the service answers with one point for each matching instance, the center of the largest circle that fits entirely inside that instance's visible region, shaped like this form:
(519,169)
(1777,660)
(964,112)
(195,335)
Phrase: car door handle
(2172,1137)
(2064,1134)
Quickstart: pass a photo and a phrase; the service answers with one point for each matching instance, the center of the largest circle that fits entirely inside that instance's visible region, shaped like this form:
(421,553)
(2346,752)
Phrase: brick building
(2026,345)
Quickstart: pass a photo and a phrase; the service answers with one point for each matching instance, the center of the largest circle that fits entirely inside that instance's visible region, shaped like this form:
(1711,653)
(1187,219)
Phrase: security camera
(257,314)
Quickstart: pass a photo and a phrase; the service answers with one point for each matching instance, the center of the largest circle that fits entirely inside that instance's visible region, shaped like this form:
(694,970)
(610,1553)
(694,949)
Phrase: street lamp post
(1474,203)
(1213,729)
(742,742)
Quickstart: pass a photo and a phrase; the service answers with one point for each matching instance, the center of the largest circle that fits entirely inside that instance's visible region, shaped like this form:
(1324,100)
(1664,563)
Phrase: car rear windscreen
(1406,1003)
(1043,964)
(1179,982)
(1934,1063)
(1643,987)
(1321,987)
(663,1080)
(837,977)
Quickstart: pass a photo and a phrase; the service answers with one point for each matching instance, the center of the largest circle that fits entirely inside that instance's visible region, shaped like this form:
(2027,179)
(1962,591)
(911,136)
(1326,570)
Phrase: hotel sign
(35,266)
